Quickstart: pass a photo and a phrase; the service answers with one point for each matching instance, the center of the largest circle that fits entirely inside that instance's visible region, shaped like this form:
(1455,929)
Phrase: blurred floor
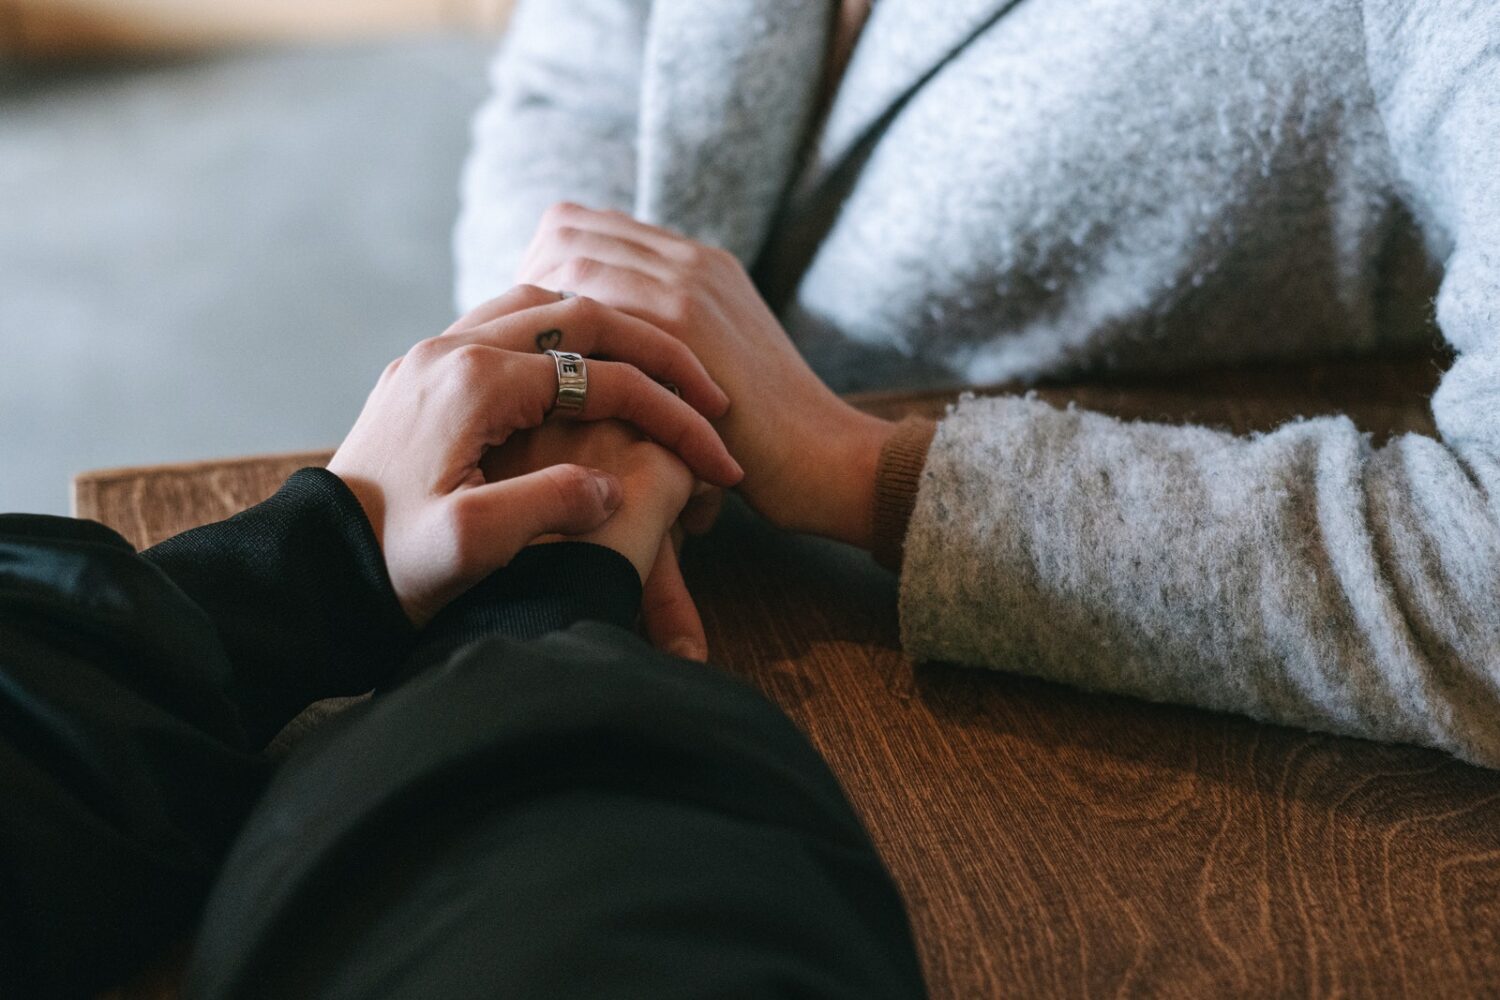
(217,257)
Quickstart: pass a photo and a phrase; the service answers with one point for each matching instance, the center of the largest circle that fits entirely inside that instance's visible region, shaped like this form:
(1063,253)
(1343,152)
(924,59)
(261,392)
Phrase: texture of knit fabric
(1050,187)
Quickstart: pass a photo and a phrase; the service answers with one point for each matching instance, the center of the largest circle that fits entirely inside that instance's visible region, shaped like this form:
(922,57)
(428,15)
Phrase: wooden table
(1055,843)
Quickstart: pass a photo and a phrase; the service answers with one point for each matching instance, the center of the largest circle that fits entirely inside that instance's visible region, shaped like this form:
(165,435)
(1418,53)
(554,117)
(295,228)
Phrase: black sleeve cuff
(298,589)
(544,588)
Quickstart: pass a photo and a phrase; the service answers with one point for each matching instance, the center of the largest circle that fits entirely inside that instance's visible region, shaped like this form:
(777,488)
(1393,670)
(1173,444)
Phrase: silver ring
(565,295)
(572,383)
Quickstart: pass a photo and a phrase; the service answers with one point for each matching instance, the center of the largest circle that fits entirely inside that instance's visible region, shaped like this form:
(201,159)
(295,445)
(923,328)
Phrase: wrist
(628,539)
(847,470)
(367,493)
(635,530)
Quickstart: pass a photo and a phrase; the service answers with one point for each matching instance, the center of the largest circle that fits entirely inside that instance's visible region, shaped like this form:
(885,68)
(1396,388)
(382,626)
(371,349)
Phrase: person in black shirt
(534,804)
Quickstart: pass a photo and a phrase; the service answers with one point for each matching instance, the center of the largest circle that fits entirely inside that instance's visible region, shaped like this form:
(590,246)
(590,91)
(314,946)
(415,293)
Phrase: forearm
(584,767)
(124,766)
(126,684)
(1299,577)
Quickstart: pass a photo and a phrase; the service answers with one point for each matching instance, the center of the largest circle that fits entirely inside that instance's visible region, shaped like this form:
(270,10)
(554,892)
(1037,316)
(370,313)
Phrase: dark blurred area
(216,228)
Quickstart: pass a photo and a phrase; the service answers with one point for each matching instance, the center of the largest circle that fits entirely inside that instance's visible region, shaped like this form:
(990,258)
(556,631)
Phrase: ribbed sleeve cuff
(544,588)
(897,477)
(298,590)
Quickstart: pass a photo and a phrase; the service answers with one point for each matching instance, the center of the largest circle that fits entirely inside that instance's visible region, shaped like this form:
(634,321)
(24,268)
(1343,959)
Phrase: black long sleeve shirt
(138,691)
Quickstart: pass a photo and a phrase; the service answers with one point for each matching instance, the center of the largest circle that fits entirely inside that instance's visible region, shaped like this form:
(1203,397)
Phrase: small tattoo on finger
(548,340)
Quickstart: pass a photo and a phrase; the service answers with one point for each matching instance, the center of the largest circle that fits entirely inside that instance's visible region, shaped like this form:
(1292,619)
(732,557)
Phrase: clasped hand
(474,401)
(457,473)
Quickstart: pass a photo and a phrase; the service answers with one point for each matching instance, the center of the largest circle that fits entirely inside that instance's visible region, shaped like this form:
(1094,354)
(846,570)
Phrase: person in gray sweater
(1000,189)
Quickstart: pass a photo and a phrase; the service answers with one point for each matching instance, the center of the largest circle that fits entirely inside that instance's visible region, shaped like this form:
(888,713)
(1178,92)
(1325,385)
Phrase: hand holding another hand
(654,483)
(810,458)
(413,457)
(656,486)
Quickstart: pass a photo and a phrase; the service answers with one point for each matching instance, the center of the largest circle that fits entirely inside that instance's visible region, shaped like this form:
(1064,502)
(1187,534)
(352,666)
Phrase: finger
(495,521)
(621,392)
(573,243)
(672,622)
(518,298)
(567,215)
(507,391)
(612,284)
(585,326)
(633,293)
(702,511)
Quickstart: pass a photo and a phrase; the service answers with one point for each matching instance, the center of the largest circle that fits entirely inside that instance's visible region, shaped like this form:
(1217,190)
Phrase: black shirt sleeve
(137,691)
(494,778)
(577,816)
(298,592)
(544,589)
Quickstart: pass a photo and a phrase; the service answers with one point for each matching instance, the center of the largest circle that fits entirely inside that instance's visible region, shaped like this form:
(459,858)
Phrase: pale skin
(689,315)
(413,458)
(584,326)
(456,472)
(822,482)
(810,458)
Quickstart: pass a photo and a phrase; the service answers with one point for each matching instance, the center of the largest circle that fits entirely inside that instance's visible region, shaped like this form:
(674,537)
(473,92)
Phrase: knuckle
(529,293)
(560,213)
(681,306)
(635,382)
(583,309)
(723,259)
(425,352)
(683,363)
(577,270)
(468,364)
(696,256)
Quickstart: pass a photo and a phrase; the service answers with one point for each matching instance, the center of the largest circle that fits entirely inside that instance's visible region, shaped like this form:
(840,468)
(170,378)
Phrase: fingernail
(609,490)
(687,649)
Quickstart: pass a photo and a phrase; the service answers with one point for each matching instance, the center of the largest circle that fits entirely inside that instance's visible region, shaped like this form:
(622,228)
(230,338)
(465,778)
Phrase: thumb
(667,609)
(500,519)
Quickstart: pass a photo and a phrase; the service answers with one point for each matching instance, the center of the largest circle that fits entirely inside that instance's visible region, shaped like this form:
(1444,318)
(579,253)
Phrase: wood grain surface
(1055,843)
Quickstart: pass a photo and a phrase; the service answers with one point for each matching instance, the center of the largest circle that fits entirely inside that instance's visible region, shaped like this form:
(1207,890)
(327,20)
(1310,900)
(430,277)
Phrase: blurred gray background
(216,256)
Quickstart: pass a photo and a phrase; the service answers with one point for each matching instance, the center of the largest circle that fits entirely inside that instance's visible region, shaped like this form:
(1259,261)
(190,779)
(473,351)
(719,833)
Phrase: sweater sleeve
(1302,576)
(560,126)
(898,475)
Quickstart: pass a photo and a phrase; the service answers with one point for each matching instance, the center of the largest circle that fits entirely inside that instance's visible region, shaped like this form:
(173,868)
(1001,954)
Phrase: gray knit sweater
(1014,189)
